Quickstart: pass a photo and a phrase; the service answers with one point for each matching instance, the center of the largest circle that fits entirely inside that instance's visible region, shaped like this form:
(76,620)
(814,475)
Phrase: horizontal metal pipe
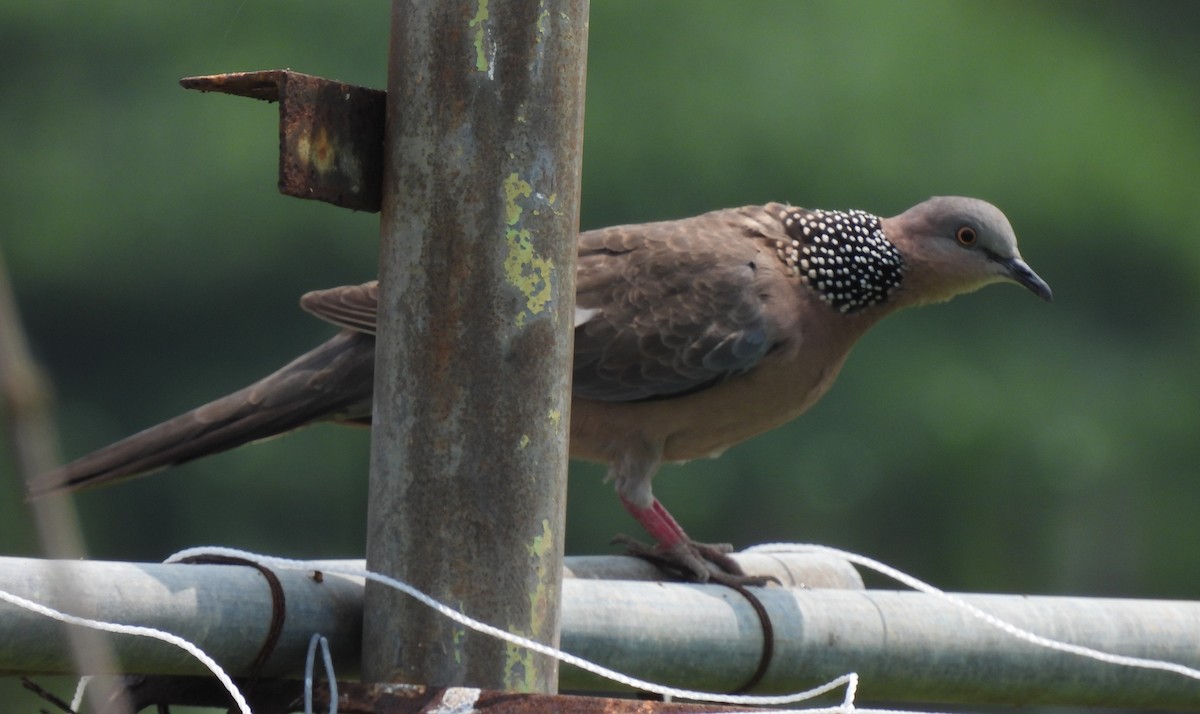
(801,570)
(225,610)
(905,646)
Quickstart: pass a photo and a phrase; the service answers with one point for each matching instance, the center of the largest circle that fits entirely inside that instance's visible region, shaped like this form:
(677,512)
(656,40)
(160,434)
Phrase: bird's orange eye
(966,235)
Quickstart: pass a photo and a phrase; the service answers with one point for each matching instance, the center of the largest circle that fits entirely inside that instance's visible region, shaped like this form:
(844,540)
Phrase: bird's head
(954,245)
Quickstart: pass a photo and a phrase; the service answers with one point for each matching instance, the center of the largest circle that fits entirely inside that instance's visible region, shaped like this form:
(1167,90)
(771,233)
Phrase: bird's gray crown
(843,256)
(944,215)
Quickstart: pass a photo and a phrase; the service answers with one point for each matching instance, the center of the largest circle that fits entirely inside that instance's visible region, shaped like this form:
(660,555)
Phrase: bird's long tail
(331,383)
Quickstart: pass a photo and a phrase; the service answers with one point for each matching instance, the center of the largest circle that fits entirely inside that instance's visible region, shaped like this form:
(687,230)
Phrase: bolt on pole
(477,280)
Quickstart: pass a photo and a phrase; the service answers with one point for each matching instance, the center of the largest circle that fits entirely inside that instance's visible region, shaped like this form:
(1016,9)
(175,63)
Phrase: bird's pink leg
(675,550)
(661,526)
(631,469)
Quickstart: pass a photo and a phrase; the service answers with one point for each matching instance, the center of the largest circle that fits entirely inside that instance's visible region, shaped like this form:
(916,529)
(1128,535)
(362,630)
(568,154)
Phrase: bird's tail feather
(330,383)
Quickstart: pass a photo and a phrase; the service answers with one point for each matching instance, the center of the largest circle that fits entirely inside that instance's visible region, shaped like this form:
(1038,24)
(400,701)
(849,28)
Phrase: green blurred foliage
(994,443)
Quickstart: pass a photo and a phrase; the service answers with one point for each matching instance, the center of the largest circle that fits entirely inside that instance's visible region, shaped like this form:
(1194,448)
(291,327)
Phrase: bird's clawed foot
(695,562)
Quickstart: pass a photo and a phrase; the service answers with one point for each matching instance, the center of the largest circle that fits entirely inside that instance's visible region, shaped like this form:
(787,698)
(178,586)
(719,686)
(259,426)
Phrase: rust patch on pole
(473,354)
(330,133)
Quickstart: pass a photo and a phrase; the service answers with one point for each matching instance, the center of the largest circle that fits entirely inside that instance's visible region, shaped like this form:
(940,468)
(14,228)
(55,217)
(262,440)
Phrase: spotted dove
(691,336)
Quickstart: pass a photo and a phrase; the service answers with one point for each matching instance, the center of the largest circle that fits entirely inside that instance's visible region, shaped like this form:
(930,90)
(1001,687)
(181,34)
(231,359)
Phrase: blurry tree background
(995,443)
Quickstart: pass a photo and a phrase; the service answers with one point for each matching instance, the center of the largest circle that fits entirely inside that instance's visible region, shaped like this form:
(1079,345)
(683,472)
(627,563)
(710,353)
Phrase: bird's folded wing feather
(352,307)
(664,309)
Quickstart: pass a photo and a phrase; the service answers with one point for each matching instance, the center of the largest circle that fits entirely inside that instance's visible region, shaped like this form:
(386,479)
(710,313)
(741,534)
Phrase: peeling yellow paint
(519,667)
(481,16)
(519,664)
(541,545)
(515,187)
(541,598)
(456,641)
(525,270)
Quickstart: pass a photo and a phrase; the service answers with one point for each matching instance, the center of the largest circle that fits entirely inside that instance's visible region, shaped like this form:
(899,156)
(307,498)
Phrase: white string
(137,631)
(850,681)
(310,665)
(80,688)
(1004,626)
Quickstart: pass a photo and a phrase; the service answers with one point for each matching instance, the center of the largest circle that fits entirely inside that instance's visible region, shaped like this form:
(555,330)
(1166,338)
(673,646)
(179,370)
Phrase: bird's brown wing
(662,309)
(352,307)
(665,309)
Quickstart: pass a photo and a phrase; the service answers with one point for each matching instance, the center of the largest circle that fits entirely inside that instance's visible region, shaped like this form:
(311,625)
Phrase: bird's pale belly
(704,424)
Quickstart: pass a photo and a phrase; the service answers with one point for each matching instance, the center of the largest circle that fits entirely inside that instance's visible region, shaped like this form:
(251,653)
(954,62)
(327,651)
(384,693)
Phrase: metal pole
(480,212)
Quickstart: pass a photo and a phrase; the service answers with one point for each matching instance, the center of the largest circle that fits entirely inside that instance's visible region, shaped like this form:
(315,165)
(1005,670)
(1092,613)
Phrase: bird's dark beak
(1022,274)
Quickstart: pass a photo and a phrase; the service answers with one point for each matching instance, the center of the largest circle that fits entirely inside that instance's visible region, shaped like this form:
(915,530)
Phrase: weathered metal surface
(330,133)
(477,283)
(356,698)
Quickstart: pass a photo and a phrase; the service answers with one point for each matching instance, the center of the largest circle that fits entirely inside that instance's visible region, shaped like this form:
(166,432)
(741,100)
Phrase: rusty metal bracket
(330,133)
